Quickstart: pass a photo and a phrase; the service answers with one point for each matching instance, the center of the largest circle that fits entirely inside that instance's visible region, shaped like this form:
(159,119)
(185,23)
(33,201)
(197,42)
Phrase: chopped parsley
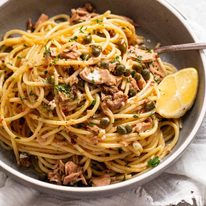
(153,162)
(47,51)
(64,88)
(116,59)
(55,60)
(73,38)
(50,79)
(93,102)
(149,50)
(139,58)
(91,124)
(82,29)
(133,73)
(98,21)
(84,56)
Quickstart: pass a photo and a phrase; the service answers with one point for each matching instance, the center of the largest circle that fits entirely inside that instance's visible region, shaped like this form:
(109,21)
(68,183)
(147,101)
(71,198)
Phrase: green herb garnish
(153,162)
(47,51)
(116,59)
(139,58)
(82,28)
(93,102)
(55,60)
(50,80)
(73,38)
(91,124)
(149,50)
(64,88)
(99,21)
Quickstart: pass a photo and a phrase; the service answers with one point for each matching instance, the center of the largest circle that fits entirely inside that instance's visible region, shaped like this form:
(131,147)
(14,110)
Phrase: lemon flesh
(177,93)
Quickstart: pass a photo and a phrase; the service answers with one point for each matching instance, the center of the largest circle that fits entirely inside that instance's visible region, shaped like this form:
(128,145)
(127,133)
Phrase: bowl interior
(157,24)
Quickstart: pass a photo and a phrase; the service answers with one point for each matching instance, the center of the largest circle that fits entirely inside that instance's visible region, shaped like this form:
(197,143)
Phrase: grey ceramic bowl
(159,22)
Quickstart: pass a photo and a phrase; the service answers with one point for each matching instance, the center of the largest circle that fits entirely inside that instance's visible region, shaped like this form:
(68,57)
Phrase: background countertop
(184,183)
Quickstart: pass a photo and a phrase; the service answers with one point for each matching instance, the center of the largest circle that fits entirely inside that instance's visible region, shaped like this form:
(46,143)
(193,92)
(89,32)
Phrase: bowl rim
(157,170)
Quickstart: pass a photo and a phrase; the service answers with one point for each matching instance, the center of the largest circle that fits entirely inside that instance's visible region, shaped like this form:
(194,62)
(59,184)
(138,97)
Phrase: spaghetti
(78,99)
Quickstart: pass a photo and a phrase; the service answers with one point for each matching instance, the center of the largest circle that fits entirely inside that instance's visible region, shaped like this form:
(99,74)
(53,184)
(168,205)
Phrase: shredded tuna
(25,160)
(67,97)
(135,52)
(70,167)
(94,129)
(53,52)
(143,126)
(71,178)
(114,102)
(54,178)
(98,76)
(156,69)
(141,83)
(102,181)
(110,90)
(82,14)
(134,84)
(71,53)
(73,80)
(41,20)
(66,174)
(112,67)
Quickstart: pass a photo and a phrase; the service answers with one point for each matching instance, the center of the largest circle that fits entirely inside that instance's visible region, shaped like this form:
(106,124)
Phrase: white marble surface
(182,181)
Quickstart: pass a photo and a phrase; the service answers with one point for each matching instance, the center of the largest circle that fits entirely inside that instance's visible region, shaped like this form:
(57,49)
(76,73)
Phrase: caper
(84,56)
(149,106)
(96,51)
(132,92)
(105,65)
(126,72)
(133,73)
(120,69)
(137,76)
(137,67)
(87,39)
(104,122)
(122,46)
(146,74)
(121,130)
(128,128)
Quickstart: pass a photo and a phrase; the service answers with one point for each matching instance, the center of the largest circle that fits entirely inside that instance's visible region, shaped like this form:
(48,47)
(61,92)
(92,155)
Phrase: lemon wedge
(177,93)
